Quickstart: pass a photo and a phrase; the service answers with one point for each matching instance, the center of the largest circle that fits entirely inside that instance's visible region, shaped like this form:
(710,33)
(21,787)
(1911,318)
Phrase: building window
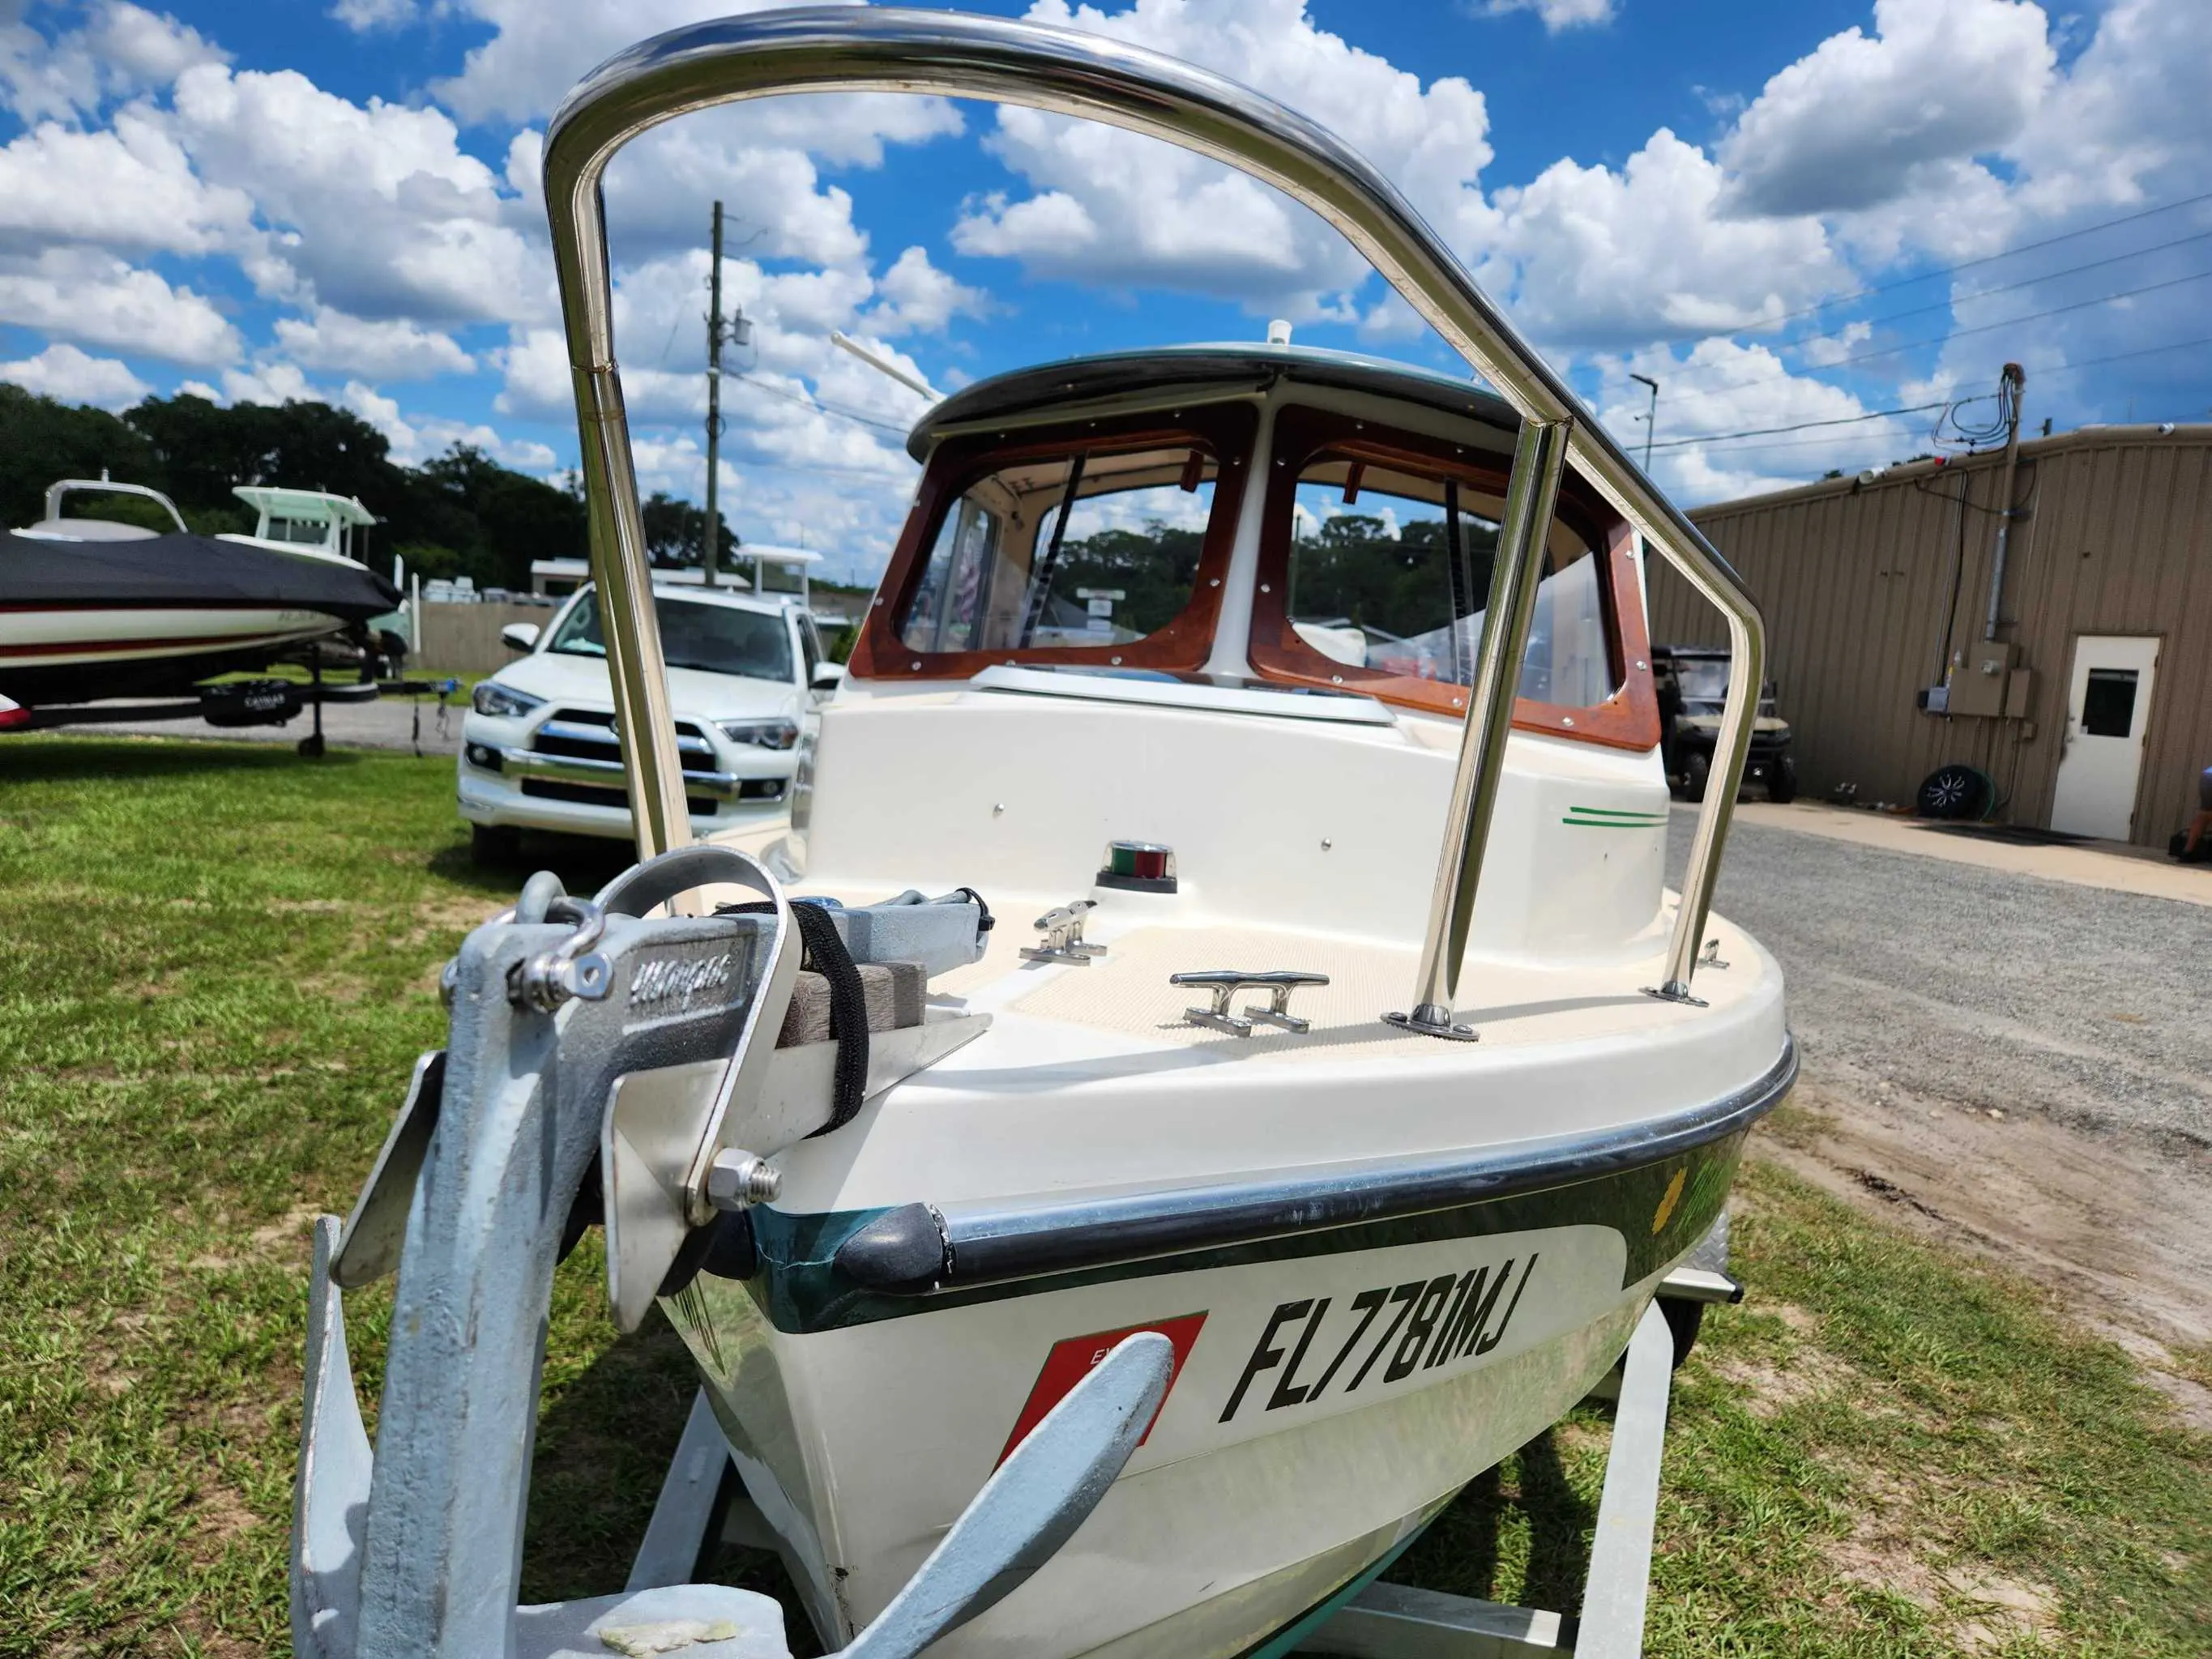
(2108,705)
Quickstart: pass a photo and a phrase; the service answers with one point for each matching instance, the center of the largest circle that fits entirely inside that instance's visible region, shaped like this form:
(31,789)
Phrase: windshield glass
(1389,571)
(306,532)
(1097,549)
(1701,679)
(715,639)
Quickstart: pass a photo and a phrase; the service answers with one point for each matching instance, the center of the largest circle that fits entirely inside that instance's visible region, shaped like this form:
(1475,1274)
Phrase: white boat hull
(79,636)
(1327,1403)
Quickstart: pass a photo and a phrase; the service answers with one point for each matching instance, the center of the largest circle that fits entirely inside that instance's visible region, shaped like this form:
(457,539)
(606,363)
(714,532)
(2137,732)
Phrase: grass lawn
(221,962)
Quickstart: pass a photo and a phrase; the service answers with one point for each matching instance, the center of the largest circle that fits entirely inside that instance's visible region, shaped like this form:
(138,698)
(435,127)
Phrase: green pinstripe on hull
(801,1288)
(1609,817)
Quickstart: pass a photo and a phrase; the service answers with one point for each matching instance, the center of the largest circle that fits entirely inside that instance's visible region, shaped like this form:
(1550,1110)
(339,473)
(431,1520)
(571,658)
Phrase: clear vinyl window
(1089,549)
(1390,572)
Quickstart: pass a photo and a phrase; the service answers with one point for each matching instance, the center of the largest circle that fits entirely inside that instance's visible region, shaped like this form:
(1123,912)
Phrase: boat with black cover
(94,608)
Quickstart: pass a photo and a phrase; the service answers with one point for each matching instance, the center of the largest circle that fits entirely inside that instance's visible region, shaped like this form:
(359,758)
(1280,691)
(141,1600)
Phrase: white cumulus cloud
(389,349)
(63,372)
(374,208)
(1590,256)
(1858,120)
(1108,208)
(1557,14)
(118,50)
(79,294)
(128,186)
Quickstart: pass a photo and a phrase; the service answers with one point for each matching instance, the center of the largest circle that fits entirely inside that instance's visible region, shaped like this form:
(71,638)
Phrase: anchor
(568,1019)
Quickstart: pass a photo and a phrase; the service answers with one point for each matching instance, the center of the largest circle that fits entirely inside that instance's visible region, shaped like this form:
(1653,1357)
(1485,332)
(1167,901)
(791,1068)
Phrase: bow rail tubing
(1069,72)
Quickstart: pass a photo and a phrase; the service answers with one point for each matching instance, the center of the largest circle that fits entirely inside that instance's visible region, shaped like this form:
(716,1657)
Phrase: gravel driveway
(1982,987)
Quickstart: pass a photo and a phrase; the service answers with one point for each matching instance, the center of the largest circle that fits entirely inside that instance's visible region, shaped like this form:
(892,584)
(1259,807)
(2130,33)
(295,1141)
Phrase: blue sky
(339,199)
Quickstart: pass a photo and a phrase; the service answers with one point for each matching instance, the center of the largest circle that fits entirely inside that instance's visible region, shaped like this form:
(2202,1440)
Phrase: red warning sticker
(1071,1361)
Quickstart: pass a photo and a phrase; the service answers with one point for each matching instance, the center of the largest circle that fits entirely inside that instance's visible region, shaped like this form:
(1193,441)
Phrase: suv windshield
(716,639)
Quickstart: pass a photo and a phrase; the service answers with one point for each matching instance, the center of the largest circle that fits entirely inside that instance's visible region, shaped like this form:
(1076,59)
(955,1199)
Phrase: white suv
(539,750)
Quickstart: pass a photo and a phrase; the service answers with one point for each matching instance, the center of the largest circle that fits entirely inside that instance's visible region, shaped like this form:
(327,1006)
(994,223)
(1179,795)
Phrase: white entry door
(2107,711)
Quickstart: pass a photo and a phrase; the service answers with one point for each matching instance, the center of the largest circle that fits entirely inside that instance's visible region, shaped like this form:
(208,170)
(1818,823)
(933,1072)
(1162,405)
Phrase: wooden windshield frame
(1226,429)
(1629,718)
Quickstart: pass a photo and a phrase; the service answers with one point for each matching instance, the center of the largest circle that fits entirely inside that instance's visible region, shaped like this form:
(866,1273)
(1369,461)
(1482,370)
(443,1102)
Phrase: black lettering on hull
(1438,1321)
(1265,1356)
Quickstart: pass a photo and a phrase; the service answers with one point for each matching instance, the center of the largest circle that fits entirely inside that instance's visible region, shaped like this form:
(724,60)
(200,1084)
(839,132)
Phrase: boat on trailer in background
(93,609)
(1331,1130)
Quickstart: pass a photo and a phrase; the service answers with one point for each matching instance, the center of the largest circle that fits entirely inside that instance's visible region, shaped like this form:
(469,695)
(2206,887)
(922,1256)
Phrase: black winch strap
(848,1002)
(984,920)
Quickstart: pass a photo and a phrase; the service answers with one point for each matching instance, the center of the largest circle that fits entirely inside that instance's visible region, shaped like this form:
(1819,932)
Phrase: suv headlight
(760,734)
(501,700)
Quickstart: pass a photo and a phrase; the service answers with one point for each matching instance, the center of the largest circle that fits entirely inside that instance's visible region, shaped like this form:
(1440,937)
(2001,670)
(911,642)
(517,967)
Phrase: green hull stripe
(1285,1641)
(1617,824)
(801,1288)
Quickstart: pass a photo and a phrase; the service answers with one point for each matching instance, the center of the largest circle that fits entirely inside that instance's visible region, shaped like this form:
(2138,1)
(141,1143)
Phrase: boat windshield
(1078,549)
(1702,679)
(715,639)
(308,532)
(1390,570)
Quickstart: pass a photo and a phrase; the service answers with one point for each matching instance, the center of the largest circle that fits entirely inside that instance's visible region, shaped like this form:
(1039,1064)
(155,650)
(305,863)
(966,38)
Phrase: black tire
(1781,781)
(1697,770)
(494,847)
(311,746)
(1956,793)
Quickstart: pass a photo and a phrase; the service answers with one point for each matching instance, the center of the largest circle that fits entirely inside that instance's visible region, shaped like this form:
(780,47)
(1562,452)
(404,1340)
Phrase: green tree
(42,441)
(676,531)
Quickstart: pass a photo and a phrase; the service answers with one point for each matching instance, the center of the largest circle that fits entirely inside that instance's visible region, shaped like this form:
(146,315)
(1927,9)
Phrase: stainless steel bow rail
(1071,73)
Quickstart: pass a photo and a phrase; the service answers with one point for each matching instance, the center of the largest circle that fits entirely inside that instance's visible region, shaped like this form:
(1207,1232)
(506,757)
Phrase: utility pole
(1651,420)
(713,531)
(2010,385)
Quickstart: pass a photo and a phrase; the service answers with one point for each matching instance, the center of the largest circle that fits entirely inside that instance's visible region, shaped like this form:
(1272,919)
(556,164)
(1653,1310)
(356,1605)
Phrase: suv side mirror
(829,676)
(519,637)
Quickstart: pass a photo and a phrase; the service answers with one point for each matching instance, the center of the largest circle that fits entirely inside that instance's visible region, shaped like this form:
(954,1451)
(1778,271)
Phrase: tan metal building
(2090,705)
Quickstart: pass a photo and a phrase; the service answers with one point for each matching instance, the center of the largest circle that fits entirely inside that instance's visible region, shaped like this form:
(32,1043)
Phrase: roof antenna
(883,365)
(1278,330)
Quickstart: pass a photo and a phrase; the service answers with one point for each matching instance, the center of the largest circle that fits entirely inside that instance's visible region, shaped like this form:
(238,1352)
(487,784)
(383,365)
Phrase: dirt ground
(2118,1229)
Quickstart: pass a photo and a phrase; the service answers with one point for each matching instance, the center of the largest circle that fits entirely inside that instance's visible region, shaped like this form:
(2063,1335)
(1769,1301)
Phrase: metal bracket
(1063,936)
(574,968)
(1433,1020)
(1712,956)
(1225,982)
(1676,990)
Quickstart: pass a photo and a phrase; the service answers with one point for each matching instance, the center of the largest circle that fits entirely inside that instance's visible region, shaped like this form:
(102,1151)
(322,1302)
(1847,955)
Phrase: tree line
(460,514)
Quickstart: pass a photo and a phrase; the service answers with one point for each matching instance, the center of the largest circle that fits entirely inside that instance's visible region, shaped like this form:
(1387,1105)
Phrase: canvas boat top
(183,571)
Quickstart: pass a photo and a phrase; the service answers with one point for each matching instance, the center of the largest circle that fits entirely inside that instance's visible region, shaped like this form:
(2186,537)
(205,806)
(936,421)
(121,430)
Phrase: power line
(1941,271)
(2040,372)
(1959,299)
(817,405)
(1801,426)
(2047,372)
(2051,372)
(1961,333)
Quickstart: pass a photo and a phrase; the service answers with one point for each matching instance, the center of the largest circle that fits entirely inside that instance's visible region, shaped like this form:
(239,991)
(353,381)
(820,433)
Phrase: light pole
(1651,420)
